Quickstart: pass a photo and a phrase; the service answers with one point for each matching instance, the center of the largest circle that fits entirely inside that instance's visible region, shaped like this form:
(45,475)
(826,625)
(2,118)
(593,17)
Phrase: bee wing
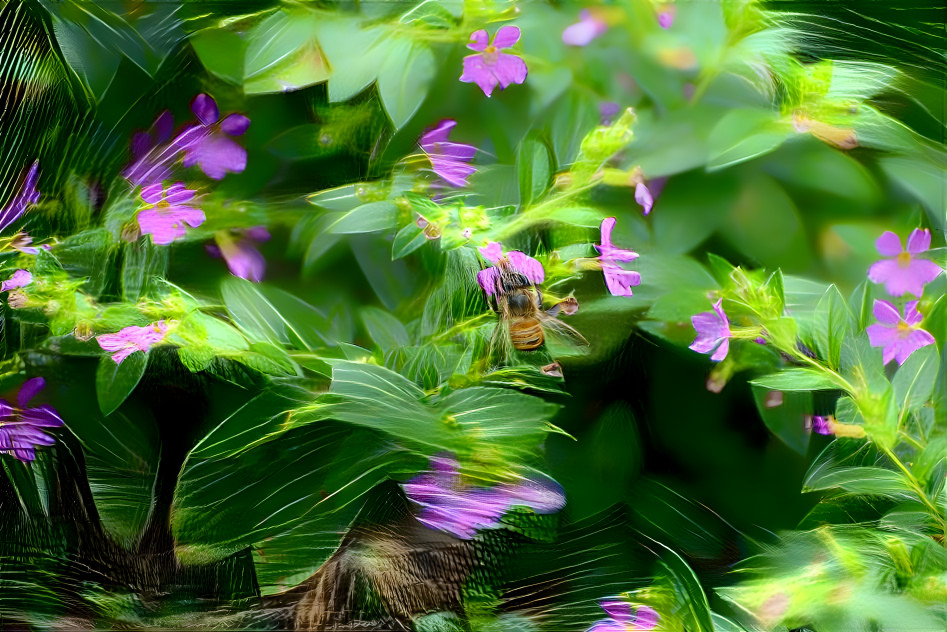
(561,330)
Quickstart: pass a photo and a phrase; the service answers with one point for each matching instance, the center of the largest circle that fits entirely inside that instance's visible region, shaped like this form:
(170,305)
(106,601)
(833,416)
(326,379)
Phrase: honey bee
(519,304)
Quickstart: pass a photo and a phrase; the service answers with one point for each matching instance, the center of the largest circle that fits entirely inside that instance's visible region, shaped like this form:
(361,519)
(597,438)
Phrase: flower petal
(721,351)
(44,415)
(235,124)
(924,270)
(919,241)
(527,266)
(506,36)
(476,71)
(29,390)
(911,315)
(488,279)
(618,610)
(889,244)
(492,252)
(20,278)
(509,69)
(646,618)
(643,197)
(177,193)
(607,625)
(436,134)
(217,155)
(880,335)
(479,40)
(153,193)
(885,312)
(584,31)
(205,109)
(244,260)
(911,343)
(608,224)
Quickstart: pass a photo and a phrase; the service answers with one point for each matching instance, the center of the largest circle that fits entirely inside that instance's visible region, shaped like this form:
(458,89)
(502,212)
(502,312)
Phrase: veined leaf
(114,381)
(796,380)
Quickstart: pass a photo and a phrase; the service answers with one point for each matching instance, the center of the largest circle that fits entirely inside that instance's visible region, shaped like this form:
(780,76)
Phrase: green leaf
(341,199)
(692,601)
(915,379)
(796,380)
(353,54)
(283,53)
(386,330)
(114,381)
(783,414)
(534,167)
(408,239)
(833,323)
(143,261)
(869,480)
(222,53)
(367,218)
(273,315)
(744,134)
(404,78)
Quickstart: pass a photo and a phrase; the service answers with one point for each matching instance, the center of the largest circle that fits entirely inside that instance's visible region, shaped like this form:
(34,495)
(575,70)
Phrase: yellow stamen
(904,259)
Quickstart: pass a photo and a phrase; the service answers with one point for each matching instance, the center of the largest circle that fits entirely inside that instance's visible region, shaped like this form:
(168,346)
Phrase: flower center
(904,259)
(490,55)
(904,329)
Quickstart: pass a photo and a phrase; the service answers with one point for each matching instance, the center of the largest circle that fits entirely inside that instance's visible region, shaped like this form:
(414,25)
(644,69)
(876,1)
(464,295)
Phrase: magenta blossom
(447,504)
(607,111)
(904,272)
(622,618)
(618,280)
(666,15)
(132,339)
(489,278)
(584,31)
(208,144)
(22,242)
(448,160)
(643,197)
(240,252)
(490,67)
(20,278)
(20,427)
(166,219)
(821,424)
(152,155)
(900,337)
(713,333)
(25,197)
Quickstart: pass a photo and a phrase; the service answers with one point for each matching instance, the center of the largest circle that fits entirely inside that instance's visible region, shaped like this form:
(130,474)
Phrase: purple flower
(607,111)
(20,278)
(27,196)
(643,197)
(208,144)
(904,272)
(618,280)
(821,424)
(21,243)
(584,31)
(132,339)
(490,67)
(713,332)
(448,505)
(166,219)
(521,263)
(448,160)
(900,337)
(666,15)
(20,427)
(622,618)
(151,153)
(242,257)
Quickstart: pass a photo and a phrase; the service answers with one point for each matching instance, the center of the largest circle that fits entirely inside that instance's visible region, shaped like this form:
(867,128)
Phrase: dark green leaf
(114,381)
(796,380)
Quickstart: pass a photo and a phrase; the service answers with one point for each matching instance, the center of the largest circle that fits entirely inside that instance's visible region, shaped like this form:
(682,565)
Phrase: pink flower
(623,619)
(584,31)
(132,339)
(618,280)
(900,337)
(490,278)
(20,278)
(20,427)
(240,252)
(713,332)
(666,16)
(25,197)
(904,272)
(448,160)
(490,67)
(166,219)
(208,144)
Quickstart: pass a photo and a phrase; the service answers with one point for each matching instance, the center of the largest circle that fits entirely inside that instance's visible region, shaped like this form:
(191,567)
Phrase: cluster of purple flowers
(902,272)
(447,504)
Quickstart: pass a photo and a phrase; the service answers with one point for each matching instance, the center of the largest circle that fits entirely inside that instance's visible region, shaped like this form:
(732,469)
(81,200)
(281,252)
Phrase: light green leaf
(915,379)
(534,167)
(404,78)
(744,134)
(367,218)
(796,380)
(833,323)
(860,480)
(386,330)
(283,53)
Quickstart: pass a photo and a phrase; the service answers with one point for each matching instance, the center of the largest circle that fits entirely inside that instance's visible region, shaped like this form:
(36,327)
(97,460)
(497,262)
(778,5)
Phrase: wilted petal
(29,390)
(205,109)
(919,241)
